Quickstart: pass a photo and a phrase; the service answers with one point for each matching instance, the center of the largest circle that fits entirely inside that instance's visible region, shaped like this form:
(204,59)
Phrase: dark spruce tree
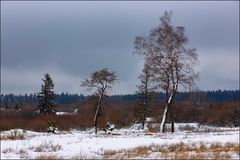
(46,96)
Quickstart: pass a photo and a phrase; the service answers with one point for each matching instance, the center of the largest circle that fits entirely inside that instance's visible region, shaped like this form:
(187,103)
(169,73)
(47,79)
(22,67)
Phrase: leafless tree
(171,63)
(19,104)
(196,97)
(145,90)
(100,81)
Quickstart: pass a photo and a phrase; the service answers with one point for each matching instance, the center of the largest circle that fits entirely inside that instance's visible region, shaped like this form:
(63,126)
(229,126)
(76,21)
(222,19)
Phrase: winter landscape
(119,80)
(72,139)
(190,141)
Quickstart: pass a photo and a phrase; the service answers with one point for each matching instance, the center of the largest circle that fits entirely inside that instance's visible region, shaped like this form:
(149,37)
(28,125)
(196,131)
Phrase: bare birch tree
(171,62)
(100,81)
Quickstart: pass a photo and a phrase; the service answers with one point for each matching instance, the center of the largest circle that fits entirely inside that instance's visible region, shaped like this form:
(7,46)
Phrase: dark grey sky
(71,39)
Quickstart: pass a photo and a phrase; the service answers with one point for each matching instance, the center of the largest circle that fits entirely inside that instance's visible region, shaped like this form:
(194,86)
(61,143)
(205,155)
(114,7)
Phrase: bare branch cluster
(164,50)
(101,80)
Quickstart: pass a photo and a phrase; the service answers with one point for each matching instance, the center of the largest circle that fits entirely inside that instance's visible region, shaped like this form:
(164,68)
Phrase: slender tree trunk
(144,113)
(167,107)
(96,113)
(144,116)
(163,122)
(172,119)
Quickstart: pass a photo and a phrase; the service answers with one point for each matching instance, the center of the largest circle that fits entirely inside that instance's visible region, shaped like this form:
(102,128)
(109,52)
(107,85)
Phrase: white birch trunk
(164,118)
(162,125)
(96,113)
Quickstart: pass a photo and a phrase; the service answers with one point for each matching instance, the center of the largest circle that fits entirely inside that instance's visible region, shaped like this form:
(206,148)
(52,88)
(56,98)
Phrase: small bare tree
(19,104)
(145,89)
(196,97)
(101,81)
(171,63)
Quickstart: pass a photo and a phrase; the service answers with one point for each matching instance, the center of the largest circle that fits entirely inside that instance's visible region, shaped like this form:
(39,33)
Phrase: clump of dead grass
(23,153)
(7,150)
(13,135)
(45,147)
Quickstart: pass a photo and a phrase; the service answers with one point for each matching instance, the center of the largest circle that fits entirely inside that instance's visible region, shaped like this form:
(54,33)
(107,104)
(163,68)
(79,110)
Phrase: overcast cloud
(71,39)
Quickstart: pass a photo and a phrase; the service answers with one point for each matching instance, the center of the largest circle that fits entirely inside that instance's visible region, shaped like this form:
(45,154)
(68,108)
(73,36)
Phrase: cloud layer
(71,39)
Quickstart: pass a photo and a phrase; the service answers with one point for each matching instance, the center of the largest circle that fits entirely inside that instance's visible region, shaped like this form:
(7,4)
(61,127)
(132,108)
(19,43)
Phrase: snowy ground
(85,144)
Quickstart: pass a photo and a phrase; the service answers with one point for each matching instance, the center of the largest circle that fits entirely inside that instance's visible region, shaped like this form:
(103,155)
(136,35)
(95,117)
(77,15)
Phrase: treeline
(66,98)
(63,98)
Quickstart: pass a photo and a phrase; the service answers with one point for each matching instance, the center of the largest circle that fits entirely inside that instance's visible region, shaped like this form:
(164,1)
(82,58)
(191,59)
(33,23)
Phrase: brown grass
(177,151)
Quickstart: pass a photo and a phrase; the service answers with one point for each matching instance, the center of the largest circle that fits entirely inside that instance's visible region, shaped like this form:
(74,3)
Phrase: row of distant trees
(195,97)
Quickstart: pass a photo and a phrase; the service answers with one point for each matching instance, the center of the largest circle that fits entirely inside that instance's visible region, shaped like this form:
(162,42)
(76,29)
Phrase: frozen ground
(85,144)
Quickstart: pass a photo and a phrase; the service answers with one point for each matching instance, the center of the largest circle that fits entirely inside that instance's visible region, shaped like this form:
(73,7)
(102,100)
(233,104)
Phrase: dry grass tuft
(232,147)
(13,135)
(46,148)
(23,154)
(7,150)
(202,147)
(81,156)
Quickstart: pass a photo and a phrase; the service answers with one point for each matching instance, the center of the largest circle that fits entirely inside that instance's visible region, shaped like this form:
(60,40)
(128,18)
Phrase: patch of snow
(88,144)
(62,113)
(149,119)
(75,110)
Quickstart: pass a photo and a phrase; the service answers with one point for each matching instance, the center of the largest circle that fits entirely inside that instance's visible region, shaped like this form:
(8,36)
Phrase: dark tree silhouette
(145,92)
(46,96)
(101,81)
(171,63)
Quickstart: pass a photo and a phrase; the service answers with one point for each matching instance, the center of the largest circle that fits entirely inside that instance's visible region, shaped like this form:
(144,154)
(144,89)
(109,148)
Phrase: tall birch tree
(171,61)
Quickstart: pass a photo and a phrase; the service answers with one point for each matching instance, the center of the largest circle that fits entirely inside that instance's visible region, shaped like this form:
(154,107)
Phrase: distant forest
(66,98)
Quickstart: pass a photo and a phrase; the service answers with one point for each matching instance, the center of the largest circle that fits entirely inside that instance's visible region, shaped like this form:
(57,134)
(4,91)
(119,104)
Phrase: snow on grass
(85,144)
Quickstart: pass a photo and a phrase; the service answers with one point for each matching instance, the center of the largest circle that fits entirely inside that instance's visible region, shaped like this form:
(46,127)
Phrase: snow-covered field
(85,144)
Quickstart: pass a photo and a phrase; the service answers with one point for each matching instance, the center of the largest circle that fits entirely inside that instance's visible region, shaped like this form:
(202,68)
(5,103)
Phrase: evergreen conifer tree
(46,96)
